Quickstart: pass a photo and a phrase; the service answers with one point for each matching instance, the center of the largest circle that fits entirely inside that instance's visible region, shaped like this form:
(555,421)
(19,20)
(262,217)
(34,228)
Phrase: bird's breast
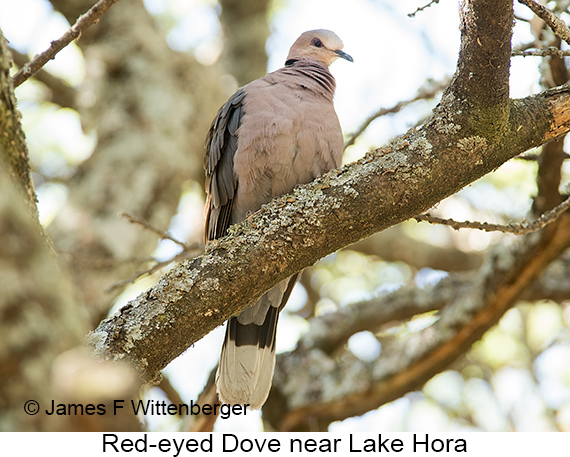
(285,138)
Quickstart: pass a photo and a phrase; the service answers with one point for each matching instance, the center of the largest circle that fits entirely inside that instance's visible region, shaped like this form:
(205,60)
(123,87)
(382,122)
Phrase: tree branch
(518,229)
(159,149)
(426,92)
(551,51)
(60,92)
(151,228)
(421,8)
(552,154)
(13,148)
(473,131)
(83,23)
(469,307)
(292,232)
(35,289)
(557,25)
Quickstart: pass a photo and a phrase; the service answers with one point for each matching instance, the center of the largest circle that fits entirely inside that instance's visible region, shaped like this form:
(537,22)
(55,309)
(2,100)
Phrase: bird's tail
(247,361)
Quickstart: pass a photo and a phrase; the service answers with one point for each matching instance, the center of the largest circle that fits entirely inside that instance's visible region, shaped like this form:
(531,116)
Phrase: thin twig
(517,229)
(60,92)
(525,46)
(125,282)
(188,252)
(83,22)
(421,8)
(102,262)
(528,157)
(557,25)
(532,157)
(169,390)
(522,19)
(547,52)
(422,94)
(145,224)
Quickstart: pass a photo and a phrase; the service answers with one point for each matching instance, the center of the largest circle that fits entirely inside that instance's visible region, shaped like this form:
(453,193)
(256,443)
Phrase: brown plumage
(272,134)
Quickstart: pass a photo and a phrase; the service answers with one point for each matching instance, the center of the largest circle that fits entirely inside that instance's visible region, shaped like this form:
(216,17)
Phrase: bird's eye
(317,43)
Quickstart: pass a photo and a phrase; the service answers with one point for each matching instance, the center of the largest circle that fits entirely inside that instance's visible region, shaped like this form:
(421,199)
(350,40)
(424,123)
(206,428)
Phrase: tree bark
(159,98)
(40,319)
(13,147)
(307,389)
(475,129)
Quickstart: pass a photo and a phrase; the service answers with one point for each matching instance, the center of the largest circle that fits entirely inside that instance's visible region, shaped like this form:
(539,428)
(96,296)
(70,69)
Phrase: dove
(273,134)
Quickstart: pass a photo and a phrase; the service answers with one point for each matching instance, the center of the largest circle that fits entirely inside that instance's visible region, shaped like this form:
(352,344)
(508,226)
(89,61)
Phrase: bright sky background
(393,57)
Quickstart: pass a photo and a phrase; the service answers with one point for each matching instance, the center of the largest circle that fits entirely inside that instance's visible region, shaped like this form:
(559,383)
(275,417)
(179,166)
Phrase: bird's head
(320,45)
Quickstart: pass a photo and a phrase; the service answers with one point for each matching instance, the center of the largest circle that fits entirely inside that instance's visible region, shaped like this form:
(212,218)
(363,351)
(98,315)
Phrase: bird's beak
(343,55)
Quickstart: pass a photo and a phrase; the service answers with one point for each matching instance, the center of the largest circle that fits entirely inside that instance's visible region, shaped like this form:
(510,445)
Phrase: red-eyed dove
(272,134)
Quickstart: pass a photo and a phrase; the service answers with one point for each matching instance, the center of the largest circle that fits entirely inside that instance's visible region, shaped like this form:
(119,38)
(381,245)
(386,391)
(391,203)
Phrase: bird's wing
(221,181)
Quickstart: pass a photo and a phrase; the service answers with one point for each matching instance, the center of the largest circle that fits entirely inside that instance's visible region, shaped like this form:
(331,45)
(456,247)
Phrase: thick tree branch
(385,187)
(481,83)
(29,296)
(472,305)
(552,154)
(330,331)
(36,290)
(473,131)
